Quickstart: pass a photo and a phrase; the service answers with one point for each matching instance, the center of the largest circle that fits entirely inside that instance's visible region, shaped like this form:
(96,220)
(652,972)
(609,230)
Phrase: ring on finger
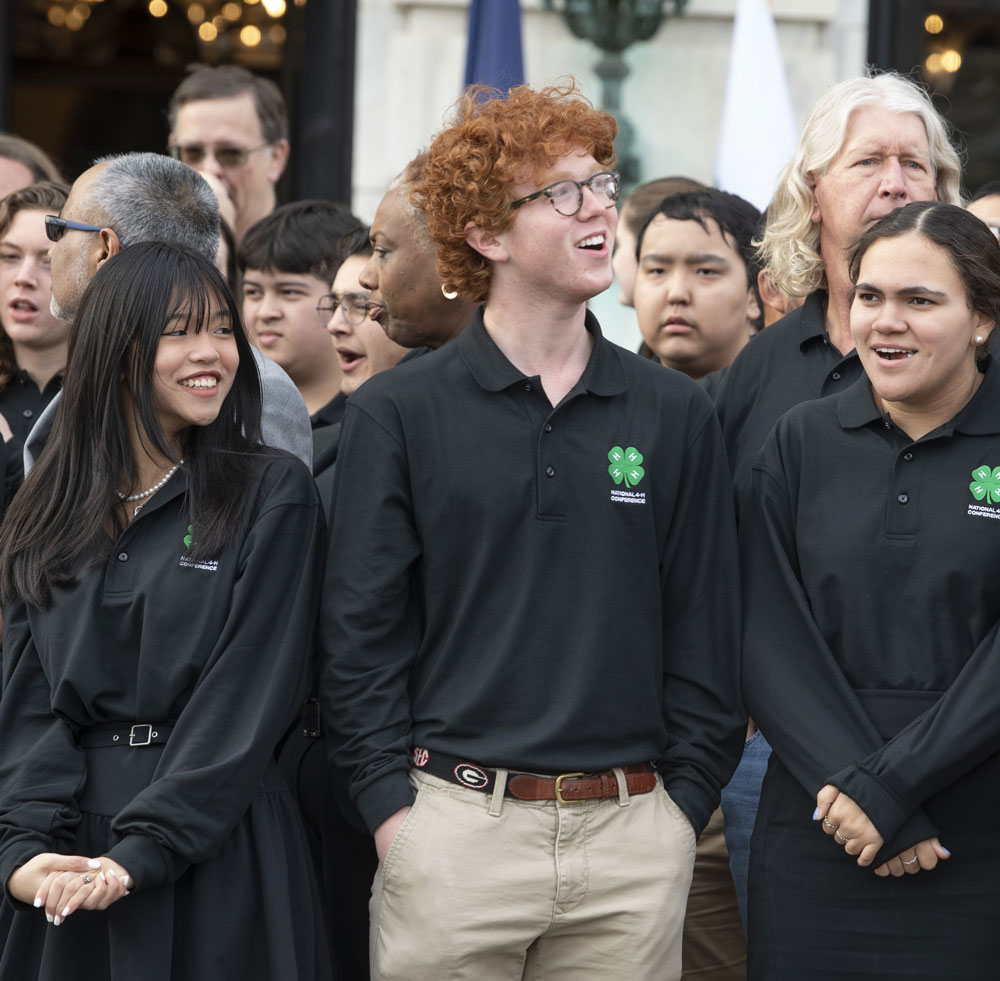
(832,827)
(88,878)
(911,861)
(843,840)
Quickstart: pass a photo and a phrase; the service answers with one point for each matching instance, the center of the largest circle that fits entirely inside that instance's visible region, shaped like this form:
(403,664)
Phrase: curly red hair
(495,142)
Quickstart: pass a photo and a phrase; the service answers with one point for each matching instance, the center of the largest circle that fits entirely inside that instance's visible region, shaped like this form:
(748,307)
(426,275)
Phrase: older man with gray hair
(141,197)
(870,145)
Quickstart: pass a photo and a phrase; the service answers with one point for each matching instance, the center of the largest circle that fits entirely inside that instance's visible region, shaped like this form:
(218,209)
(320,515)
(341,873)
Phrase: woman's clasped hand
(849,826)
(61,884)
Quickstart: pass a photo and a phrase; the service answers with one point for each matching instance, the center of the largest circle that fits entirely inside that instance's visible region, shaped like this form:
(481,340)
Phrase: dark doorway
(953,46)
(92,77)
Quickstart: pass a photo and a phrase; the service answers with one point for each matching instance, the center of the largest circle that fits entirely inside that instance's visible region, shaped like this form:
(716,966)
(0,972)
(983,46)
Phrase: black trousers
(344,856)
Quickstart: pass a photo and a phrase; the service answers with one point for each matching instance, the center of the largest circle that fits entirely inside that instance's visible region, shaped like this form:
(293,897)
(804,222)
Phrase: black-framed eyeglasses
(55,228)
(229,157)
(353,307)
(567,196)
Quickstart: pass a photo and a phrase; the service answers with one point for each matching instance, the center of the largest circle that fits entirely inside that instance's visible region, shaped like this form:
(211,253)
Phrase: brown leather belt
(571,788)
(566,788)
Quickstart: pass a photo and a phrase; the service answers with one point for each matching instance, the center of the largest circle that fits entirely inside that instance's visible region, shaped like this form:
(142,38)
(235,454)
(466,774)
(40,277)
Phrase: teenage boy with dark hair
(530,592)
(695,296)
(287,263)
(695,289)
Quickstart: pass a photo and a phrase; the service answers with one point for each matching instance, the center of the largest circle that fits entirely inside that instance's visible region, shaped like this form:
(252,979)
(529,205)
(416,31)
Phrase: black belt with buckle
(126,734)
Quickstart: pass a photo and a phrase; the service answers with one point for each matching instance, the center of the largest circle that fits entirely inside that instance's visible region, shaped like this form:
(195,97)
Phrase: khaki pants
(484,887)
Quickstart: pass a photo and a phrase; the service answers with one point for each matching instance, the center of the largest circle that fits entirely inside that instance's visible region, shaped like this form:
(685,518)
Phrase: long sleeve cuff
(691,798)
(15,857)
(899,825)
(380,800)
(147,863)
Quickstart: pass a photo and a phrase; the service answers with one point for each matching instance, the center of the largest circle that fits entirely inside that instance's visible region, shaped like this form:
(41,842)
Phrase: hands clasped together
(850,827)
(63,884)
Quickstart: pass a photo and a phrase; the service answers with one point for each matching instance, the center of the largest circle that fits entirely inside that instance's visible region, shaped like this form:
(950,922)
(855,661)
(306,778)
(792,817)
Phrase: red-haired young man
(531,617)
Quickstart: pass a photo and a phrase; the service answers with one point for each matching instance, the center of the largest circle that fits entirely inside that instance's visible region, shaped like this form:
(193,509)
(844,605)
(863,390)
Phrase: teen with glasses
(530,613)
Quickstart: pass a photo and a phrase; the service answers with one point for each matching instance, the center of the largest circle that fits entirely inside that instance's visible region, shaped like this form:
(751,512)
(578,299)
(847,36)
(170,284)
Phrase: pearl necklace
(152,490)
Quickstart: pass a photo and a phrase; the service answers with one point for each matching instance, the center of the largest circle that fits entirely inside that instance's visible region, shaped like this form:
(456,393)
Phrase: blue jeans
(739,809)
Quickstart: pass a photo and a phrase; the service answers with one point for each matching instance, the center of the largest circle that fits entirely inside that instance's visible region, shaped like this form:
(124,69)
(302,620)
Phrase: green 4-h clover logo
(187,538)
(625,465)
(986,483)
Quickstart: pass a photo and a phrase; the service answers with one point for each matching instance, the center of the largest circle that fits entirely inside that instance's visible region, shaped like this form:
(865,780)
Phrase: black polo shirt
(330,414)
(882,555)
(21,401)
(538,588)
(791,361)
(12,469)
(326,442)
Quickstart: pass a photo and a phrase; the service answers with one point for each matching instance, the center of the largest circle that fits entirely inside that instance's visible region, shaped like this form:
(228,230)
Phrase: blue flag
(494,57)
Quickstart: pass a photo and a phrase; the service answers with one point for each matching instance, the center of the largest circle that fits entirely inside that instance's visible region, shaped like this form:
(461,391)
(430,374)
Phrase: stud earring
(979,339)
(447,293)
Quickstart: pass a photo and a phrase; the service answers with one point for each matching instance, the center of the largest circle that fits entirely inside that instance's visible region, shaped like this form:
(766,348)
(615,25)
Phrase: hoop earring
(447,293)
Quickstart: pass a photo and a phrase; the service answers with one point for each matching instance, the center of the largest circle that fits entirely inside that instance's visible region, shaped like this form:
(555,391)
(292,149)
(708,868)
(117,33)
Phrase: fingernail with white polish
(126,881)
(49,917)
(65,912)
(93,863)
(38,901)
(56,921)
(113,872)
(103,878)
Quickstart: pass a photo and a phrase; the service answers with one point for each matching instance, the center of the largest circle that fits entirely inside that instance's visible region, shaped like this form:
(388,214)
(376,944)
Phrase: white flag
(757,136)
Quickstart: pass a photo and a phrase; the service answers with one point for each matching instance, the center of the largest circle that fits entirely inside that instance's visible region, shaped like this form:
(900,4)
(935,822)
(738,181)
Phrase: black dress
(872,586)
(203,823)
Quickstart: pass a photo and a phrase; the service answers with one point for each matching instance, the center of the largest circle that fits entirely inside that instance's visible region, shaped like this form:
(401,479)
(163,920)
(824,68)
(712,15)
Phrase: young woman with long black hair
(160,571)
